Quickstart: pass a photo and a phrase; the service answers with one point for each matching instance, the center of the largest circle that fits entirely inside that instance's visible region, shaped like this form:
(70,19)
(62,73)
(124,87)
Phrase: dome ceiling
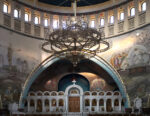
(67,3)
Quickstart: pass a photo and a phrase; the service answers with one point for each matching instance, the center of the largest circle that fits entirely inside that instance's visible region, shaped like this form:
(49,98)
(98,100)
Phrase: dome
(67,3)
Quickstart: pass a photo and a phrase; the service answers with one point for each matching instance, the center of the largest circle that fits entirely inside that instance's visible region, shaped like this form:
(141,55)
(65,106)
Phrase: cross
(74,81)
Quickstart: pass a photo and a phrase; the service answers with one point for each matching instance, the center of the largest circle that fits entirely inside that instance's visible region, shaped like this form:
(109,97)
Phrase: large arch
(50,60)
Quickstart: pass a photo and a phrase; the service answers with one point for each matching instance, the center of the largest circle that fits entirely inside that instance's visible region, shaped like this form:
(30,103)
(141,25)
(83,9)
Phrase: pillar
(66,101)
(35,105)
(120,104)
(57,103)
(12,15)
(32,22)
(112,103)
(97,105)
(22,18)
(49,105)
(51,22)
(64,105)
(42,23)
(90,105)
(43,105)
(105,105)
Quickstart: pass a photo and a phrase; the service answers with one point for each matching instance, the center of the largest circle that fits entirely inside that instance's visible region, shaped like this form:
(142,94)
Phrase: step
(75,114)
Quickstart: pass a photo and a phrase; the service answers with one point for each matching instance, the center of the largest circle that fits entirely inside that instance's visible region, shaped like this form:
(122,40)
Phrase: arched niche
(98,60)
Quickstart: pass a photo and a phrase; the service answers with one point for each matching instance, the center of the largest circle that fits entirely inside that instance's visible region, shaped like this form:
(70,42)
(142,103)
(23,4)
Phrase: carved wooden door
(74,104)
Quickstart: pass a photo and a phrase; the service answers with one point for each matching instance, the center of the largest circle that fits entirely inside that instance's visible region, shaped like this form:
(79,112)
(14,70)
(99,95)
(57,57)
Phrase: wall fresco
(133,64)
(129,55)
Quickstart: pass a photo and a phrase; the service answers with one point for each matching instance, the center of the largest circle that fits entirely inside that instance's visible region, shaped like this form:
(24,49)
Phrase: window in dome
(143,6)
(36,20)
(64,24)
(16,13)
(55,23)
(26,17)
(102,22)
(46,22)
(132,11)
(121,16)
(5,8)
(111,19)
(92,23)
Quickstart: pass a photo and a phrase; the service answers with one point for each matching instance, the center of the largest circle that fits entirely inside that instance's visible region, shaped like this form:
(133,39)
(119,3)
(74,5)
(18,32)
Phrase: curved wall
(20,52)
(129,23)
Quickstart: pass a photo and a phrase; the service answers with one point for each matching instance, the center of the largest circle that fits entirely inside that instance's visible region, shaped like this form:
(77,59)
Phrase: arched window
(39,105)
(87,93)
(101,102)
(87,102)
(26,16)
(116,102)
(61,102)
(46,94)
(102,22)
(64,24)
(143,6)
(31,103)
(53,102)
(36,20)
(61,93)
(109,93)
(94,93)
(16,13)
(39,93)
(92,23)
(45,22)
(101,93)
(117,93)
(121,16)
(5,7)
(46,102)
(132,11)
(94,102)
(111,19)
(109,105)
(53,94)
(32,94)
(74,91)
(55,23)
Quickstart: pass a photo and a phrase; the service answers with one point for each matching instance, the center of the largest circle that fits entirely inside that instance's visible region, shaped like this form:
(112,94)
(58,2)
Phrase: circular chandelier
(75,41)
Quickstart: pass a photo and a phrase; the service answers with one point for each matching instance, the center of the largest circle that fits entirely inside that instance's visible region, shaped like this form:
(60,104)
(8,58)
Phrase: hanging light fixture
(76,41)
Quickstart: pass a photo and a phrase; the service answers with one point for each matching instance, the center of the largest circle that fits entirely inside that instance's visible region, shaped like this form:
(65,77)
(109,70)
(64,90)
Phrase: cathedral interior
(74,58)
